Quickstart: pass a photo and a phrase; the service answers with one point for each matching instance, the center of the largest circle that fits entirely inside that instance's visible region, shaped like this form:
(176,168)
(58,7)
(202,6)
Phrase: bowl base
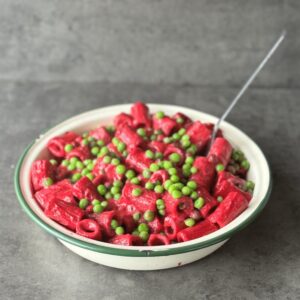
(143,263)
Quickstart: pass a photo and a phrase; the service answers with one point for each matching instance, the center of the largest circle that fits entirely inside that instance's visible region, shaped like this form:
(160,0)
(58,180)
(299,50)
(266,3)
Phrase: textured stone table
(62,58)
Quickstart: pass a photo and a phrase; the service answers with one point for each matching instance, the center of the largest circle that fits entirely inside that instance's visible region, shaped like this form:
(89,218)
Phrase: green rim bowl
(145,257)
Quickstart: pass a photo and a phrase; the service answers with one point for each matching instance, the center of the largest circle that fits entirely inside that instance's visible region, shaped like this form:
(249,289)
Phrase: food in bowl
(143,180)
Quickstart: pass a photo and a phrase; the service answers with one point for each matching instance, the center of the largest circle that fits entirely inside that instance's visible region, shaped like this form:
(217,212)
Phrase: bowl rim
(134,252)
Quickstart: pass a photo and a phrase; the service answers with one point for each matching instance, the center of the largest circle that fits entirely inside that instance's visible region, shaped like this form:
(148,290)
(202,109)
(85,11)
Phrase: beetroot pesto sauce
(145,180)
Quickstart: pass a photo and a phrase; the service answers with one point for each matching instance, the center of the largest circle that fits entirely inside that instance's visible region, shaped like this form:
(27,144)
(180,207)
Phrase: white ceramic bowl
(145,257)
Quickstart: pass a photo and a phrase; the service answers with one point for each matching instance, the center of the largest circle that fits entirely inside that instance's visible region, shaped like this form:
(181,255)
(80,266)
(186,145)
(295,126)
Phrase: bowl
(142,257)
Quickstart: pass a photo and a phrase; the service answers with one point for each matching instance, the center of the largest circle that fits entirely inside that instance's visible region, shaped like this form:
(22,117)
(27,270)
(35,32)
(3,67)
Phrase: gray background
(60,58)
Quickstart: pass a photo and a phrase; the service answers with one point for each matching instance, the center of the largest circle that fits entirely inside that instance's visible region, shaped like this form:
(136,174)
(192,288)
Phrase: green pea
(176,136)
(53,162)
(106,159)
(71,167)
(186,167)
(189,222)
(79,165)
(83,203)
(149,185)
(160,207)
(115,190)
(125,153)
(141,132)
(100,143)
(171,188)
(160,114)
(130,174)
(87,162)
(178,185)
(167,164)
(181,131)
(121,147)
(152,137)
(161,212)
(47,181)
(159,189)
(135,180)
(192,184)
(90,176)
(118,183)
(180,120)
(176,194)
(85,134)
(135,232)
(90,166)
(91,139)
(250,185)
(101,188)
(84,142)
(115,161)
(136,192)
(154,167)
(149,154)
(194,195)
(175,186)
(192,149)
(159,155)
(235,155)
(115,141)
(167,140)
(220,167)
(245,164)
(185,144)
(120,169)
(76,177)
(186,191)
(65,162)
(238,155)
(220,198)
(73,160)
(143,227)
(189,160)
(97,208)
(185,137)
(146,173)
(199,202)
(96,202)
(119,230)
(68,148)
(111,128)
(149,215)
(175,157)
(114,224)
(104,204)
(95,150)
(167,184)
(103,151)
(194,170)
(160,203)
(174,178)
(108,196)
(85,171)
(117,196)
(186,173)
(136,216)
(172,171)
(144,235)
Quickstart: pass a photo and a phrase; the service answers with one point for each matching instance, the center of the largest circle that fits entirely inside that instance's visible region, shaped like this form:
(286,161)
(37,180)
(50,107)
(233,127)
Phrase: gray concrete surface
(60,58)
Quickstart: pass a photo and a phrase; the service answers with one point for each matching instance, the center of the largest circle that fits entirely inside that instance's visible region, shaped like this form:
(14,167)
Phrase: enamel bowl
(143,257)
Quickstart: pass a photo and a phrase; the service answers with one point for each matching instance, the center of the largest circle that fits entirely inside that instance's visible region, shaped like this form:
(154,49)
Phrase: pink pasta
(146,180)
